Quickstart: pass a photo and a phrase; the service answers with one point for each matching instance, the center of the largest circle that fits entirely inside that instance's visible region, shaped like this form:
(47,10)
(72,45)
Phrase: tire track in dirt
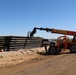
(63,64)
(53,67)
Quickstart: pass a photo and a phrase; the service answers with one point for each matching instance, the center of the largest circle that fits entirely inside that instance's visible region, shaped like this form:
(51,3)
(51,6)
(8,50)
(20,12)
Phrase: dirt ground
(33,62)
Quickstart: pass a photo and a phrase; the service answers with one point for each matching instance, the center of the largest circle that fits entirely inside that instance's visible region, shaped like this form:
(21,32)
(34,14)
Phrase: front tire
(54,51)
(73,48)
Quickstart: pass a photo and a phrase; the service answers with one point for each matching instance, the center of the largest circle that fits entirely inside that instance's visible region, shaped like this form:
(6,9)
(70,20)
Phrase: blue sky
(17,17)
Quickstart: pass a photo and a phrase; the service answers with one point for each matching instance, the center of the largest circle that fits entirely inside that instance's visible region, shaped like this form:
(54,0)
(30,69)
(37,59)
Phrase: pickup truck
(47,42)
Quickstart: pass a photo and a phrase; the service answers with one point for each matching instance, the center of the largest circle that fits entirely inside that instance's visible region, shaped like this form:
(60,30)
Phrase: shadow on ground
(44,53)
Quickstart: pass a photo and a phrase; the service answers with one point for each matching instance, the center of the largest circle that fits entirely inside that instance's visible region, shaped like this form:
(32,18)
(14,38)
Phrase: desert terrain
(35,62)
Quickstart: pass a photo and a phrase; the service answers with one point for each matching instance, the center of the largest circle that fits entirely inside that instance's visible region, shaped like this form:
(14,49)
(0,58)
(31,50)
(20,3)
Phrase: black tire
(53,50)
(73,48)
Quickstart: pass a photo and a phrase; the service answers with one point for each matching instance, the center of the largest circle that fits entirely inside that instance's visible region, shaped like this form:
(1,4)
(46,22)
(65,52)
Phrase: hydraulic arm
(58,31)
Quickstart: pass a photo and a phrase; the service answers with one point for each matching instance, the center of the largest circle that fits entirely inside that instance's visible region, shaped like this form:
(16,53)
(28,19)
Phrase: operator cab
(61,42)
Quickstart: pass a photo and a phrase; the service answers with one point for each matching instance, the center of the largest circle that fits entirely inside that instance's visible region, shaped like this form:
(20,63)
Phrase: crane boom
(58,31)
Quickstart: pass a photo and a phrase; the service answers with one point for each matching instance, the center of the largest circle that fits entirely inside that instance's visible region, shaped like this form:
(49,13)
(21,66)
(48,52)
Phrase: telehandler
(56,47)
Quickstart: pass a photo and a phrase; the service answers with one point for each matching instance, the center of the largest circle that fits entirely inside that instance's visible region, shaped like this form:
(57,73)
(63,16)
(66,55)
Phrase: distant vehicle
(47,42)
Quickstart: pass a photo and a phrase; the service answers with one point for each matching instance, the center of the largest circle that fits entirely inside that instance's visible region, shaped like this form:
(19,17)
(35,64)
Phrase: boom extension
(34,30)
(58,31)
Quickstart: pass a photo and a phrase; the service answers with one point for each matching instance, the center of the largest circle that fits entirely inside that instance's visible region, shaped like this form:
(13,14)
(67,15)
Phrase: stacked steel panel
(9,43)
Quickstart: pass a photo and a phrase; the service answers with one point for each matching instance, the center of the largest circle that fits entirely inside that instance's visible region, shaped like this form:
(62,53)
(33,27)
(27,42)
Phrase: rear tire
(73,48)
(53,50)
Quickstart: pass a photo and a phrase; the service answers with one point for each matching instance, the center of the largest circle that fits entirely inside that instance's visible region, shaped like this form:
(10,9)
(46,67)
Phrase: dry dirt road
(63,64)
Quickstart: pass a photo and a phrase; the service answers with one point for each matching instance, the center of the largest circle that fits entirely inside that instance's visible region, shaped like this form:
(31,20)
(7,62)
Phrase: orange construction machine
(62,41)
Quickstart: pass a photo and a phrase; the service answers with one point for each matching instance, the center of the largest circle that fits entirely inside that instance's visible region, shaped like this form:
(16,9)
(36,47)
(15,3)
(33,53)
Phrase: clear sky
(17,17)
